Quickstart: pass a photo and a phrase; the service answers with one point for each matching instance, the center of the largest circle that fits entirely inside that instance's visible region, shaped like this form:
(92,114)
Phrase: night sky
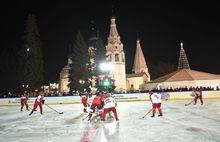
(161,27)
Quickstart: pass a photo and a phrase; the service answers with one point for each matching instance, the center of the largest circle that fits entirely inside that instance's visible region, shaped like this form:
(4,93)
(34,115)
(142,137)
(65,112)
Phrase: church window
(109,57)
(116,58)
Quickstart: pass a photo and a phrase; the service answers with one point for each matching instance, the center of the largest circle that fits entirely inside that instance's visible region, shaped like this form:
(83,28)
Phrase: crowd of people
(179,89)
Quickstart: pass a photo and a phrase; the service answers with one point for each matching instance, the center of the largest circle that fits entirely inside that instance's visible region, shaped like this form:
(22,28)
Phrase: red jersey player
(198,95)
(38,102)
(84,102)
(97,102)
(24,99)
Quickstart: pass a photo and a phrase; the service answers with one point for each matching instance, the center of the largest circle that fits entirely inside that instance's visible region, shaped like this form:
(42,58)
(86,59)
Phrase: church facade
(116,56)
(140,74)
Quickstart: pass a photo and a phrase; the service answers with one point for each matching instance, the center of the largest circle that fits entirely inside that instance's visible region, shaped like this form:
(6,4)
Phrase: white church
(116,56)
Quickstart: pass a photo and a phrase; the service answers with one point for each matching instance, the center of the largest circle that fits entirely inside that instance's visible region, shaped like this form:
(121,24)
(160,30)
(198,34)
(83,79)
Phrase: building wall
(63,85)
(118,71)
(135,81)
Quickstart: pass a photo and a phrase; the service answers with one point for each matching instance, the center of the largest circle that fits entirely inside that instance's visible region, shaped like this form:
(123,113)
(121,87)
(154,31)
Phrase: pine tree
(79,71)
(30,56)
(100,56)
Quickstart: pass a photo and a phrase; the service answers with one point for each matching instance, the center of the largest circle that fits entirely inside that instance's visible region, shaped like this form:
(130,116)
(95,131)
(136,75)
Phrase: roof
(186,75)
(139,60)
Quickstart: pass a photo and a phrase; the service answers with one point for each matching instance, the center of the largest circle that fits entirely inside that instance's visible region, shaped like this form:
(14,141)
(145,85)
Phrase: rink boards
(118,97)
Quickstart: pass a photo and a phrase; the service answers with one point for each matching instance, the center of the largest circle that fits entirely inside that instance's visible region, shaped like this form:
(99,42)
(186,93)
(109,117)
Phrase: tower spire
(113,34)
(139,60)
(116,56)
(183,61)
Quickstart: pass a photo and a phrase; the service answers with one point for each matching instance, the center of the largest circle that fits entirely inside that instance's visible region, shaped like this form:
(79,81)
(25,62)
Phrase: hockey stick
(31,108)
(85,117)
(147,113)
(190,102)
(92,118)
(54,109)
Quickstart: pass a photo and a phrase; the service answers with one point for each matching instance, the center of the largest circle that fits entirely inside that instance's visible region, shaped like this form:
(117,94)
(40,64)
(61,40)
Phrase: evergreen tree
(99,58)
(79,71)
(183,61)
(30,56)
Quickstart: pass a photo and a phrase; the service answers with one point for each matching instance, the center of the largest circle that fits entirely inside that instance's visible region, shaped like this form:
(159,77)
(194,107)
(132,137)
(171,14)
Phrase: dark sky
(161,26)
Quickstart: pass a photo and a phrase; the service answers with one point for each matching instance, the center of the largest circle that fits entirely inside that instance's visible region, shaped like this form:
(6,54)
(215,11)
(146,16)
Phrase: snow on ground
(197,123)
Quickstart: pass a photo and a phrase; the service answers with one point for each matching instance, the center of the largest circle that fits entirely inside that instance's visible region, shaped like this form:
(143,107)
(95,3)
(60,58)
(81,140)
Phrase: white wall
(136,81)
(119,97)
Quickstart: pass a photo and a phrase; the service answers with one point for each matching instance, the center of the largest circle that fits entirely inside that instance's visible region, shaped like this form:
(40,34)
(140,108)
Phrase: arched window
(116,58)
(109,57)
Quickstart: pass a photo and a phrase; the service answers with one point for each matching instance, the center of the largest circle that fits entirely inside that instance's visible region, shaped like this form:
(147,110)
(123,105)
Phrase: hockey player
(97,102)
(109,105)
(193,94)
(38,102)
(155,98)
(198,95)
(24,100)
(84,102)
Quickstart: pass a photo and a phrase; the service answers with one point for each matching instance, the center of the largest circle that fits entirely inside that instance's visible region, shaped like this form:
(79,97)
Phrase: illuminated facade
(116,56)
(64,79)
(140,74)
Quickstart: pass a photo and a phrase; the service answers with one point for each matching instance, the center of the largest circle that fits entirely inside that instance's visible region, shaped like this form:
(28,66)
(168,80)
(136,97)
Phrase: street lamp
(105,66)
(81,81)
(25,87)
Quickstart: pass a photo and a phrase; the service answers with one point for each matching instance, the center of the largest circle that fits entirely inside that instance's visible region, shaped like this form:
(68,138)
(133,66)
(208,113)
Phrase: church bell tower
(116,56)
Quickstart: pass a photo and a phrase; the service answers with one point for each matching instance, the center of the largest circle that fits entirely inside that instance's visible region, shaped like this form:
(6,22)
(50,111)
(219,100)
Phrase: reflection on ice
(111,128)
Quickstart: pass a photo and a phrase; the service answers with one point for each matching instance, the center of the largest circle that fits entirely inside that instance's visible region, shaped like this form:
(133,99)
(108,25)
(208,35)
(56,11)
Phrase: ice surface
(193,123)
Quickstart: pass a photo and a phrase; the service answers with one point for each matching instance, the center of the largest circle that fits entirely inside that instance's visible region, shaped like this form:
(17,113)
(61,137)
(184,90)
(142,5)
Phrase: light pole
(25,85)
(106,81)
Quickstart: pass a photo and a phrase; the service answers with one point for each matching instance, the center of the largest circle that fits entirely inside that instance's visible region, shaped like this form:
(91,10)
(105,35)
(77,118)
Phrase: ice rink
(180,123)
